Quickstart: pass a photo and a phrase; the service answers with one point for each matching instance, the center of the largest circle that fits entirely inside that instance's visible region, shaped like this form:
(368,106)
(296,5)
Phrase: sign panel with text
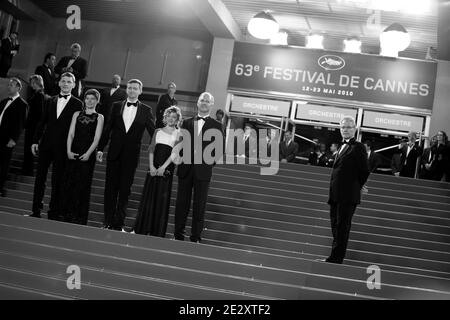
(323,113)
(392,121)
(355,77)
(260,106)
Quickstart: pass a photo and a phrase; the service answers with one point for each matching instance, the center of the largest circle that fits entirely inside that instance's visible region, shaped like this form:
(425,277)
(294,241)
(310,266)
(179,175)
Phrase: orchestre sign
(325,74)
(392,121)
(323,113)
(260,106)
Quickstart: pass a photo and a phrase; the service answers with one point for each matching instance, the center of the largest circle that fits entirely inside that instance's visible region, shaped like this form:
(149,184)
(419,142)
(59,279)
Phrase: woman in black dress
(153,211)
(83,138)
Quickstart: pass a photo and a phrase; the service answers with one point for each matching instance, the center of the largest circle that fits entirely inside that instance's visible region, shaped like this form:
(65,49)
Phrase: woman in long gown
(153,210)
(84,135)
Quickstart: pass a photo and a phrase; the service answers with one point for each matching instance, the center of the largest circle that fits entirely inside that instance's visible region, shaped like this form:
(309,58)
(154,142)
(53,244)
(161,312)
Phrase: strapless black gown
(154,206)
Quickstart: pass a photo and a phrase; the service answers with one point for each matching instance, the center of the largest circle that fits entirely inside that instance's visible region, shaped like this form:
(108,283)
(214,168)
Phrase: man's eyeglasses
(347,127)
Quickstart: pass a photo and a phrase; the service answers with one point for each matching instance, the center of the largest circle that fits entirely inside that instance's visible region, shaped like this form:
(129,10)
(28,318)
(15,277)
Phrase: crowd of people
(68,126)
(70,134)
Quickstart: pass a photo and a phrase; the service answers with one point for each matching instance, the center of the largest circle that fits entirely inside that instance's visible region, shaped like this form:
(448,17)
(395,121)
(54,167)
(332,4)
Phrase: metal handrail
(391,147)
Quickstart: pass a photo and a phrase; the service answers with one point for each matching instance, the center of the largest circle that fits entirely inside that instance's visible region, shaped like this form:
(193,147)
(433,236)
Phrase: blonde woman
(155,201)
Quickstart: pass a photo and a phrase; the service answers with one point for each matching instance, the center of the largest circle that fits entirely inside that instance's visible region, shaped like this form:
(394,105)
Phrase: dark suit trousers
(57,159)
(185,186)
(4,68)
(119,179)
(27,166)
(341,221)
(5,159)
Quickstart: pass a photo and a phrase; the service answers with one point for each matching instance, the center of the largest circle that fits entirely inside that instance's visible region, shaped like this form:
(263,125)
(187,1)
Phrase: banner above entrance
(325,74)
(260,106)
(323,113)
(392,121)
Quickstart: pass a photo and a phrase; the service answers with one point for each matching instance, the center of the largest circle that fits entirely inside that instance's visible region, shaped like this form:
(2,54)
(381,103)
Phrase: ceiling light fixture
(263,25)
(280,38)
(314,41)
(352,44)
(394,39)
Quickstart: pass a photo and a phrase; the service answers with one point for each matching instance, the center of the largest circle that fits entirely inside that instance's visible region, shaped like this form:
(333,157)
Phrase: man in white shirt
(13,113)
(75,65)
(50,145)
(110,95)
(124,127)
(410,153)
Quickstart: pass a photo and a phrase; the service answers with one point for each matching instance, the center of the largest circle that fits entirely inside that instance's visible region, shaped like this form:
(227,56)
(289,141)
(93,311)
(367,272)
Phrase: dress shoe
(34,215)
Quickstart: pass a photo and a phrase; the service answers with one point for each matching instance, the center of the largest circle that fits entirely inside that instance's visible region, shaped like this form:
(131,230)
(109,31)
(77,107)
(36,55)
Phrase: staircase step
(132,251)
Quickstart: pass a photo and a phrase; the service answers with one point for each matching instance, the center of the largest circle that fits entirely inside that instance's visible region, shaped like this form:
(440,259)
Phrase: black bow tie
(134,104)
(346,142)
(64,96)
(202,118)
(9,99)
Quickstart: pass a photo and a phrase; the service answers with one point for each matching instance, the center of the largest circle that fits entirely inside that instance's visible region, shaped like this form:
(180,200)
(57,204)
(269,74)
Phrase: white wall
(440,119)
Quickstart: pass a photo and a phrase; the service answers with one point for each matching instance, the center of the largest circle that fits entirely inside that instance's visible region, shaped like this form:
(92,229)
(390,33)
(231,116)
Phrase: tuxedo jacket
(50,80)
(107,100)
(51,132)
(13,121)
(349,174)
(164,102)
(36,105)
(201,171)
(250,145)
(409,167)
(121,141)
(79,67)
(289,152)
(330,160)
(5,52)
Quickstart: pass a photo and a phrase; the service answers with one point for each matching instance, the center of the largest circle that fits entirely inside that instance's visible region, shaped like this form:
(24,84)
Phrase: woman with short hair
(84,135)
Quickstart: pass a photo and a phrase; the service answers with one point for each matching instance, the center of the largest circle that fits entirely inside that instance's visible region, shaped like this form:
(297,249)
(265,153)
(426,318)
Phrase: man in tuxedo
(9,48)
(13,113)
(75,65)
(334,151)
(165,101)
(249,141)
(373,159)
(348,178)
(50,145)
(111,95)
(47,72)
(288,148)
(427,160)
(410,152)
(195,175)
(124,127)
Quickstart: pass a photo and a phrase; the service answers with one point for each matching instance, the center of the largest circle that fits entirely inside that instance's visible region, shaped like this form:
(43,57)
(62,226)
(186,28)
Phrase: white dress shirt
(368,154)
(128,115)
(7,105)
(71,61)
(61,104)
(200,124)
(113,90)
(344,146)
